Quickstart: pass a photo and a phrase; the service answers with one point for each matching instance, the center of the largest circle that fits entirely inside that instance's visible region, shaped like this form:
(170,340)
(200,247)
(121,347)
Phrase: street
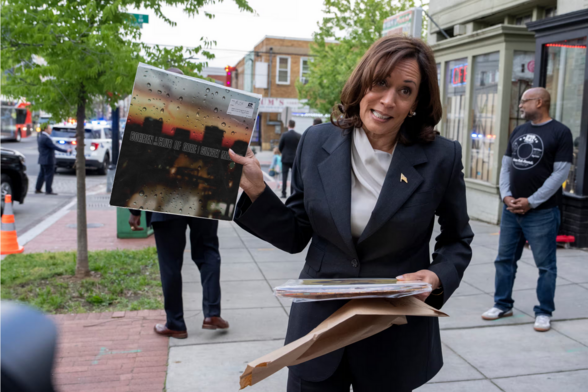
(37,207)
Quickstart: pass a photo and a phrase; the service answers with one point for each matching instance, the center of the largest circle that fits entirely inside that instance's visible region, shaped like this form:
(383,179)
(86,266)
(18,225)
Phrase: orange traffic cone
(8,234)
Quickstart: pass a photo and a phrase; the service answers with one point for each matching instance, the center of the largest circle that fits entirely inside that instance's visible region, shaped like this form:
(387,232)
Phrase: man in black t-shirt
(536,163)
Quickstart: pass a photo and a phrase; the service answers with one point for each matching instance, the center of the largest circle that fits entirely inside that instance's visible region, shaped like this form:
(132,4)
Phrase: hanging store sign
(409,22)
(277,105)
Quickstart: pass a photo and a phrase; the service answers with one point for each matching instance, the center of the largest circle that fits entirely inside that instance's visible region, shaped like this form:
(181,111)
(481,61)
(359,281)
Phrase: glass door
(564,79)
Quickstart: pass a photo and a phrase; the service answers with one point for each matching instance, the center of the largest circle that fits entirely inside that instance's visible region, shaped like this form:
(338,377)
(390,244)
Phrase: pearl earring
(412,114)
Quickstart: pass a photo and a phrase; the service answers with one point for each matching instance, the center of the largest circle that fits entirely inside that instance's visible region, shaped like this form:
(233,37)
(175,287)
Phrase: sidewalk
(480,356)
(114,352)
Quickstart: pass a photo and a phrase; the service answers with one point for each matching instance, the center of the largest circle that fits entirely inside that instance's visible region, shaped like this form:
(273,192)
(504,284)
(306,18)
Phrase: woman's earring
(411,114)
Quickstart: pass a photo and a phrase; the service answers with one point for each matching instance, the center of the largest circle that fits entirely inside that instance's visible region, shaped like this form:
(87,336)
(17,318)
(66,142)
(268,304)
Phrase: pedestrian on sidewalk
(287,146)
(47,159)
(276,166)
(366,189)
(537,160)
(170,241)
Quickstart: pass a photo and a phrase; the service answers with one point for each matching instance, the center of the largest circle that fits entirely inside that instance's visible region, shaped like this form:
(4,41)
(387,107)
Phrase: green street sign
(141,18)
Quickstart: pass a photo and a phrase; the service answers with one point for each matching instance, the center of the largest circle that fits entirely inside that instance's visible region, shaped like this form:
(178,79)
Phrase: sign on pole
(139,19)
(409,22)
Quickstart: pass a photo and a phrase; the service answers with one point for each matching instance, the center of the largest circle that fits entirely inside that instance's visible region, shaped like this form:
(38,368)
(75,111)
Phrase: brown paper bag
(356,320)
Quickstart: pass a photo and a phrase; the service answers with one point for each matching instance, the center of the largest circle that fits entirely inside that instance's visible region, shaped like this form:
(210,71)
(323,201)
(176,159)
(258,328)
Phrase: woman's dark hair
(377,64)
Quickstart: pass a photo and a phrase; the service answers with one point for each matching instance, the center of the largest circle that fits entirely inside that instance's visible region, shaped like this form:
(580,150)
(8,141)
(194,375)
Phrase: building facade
(273,68)
(487,56)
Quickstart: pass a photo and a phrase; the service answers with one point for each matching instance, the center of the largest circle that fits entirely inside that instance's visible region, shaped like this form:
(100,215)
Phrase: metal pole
(269,85)
(115,136)
(435,23)
(114,149)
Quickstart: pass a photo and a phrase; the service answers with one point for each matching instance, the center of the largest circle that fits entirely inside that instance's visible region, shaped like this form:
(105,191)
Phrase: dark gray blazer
(395,241)
(47,149)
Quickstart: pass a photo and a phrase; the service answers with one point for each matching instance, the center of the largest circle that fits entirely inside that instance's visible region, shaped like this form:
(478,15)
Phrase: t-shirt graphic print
(527,151)
(534,149)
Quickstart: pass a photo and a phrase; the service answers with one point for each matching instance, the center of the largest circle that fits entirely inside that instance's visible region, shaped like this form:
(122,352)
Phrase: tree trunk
(82,266)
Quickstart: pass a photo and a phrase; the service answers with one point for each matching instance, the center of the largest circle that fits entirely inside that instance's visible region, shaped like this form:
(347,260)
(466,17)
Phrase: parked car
(15,181)
(97,149)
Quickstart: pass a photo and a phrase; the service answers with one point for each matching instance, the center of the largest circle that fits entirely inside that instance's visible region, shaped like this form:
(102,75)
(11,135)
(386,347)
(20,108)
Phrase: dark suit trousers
(46,176)
(340,381)
(285,170)
(170,239)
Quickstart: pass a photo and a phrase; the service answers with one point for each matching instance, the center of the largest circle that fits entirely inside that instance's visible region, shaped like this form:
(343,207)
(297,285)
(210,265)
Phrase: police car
(98,144)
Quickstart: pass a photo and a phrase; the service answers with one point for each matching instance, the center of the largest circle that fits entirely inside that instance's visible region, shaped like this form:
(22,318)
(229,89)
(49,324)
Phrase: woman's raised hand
(252,177)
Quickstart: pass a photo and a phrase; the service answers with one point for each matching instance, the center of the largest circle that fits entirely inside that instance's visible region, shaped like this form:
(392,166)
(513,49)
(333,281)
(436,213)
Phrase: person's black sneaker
(51,193)
(36,191)
(283,196)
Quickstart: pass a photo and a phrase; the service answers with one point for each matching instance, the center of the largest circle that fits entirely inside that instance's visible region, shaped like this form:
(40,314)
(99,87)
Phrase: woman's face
(385,106)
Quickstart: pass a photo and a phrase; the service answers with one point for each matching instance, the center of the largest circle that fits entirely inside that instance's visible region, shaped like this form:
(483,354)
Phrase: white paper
(241,108)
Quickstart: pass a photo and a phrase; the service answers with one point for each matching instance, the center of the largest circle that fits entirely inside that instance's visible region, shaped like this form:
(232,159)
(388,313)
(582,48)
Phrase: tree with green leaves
(355,25)
(63,55)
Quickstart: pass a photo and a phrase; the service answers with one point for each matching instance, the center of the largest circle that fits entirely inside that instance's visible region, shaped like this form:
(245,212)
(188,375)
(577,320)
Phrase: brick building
(273,68)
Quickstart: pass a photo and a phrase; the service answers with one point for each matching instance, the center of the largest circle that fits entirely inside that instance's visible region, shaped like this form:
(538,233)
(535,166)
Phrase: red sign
(459,75)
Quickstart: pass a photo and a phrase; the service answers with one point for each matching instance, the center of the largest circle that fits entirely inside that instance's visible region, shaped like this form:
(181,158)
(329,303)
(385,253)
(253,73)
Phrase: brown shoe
(162,329)
(215,323)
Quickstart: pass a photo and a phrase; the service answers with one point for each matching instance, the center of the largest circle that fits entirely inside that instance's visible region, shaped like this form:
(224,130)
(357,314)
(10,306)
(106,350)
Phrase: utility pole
(115,150)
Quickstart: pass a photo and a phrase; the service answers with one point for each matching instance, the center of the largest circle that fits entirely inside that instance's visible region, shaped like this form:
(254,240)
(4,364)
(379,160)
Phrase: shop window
(564,76)
(484,107)
(455,87)
(522,20)
(550,12)
(304,70)
(283,72)
(523,71)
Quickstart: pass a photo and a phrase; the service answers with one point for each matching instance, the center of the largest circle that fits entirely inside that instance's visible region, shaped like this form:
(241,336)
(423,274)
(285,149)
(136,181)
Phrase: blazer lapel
(335,173)
(402,180)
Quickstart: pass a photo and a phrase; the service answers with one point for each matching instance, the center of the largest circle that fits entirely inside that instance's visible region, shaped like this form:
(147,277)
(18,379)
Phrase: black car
(14,177)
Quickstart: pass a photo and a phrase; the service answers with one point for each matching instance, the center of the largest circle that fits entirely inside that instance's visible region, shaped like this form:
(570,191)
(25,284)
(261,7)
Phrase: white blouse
(368,172)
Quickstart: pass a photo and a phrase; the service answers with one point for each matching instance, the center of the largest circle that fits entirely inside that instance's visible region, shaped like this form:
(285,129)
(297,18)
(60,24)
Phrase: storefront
(274,114)
(561,69)
(482,77)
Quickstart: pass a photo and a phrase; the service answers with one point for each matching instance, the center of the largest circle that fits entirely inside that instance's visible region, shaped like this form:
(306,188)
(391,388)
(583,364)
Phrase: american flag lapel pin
(403,178)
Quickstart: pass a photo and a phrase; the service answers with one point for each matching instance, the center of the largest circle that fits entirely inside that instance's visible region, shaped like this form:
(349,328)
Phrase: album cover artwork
(174,155)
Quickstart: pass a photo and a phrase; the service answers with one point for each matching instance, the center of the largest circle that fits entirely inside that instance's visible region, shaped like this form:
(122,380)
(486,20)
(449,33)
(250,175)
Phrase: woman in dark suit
(366,189)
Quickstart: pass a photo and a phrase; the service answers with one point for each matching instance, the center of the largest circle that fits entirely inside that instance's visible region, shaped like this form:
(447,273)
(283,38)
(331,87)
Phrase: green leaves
(61,54)
(355,25)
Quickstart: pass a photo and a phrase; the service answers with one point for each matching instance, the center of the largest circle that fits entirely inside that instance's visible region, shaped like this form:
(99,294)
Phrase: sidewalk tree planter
(64,56)
(119,280)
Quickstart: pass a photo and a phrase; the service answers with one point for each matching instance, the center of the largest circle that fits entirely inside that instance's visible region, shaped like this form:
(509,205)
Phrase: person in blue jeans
(537,161)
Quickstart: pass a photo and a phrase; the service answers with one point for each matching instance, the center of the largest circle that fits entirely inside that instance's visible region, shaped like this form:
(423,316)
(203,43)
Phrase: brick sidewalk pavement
(60,237)
(114,352)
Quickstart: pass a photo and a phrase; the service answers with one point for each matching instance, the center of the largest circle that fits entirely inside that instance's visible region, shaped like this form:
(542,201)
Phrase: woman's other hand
(424,276)
(252,177)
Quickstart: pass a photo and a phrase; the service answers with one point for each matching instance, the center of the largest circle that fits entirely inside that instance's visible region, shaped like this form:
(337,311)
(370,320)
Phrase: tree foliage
(355,25)
(59,53)
(63,55)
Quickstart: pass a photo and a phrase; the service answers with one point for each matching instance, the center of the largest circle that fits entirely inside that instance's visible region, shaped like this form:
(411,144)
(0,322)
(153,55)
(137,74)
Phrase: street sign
(139,19)
(409,22)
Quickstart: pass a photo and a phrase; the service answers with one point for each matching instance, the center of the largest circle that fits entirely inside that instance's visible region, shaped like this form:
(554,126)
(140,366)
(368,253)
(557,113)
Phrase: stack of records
(301,290)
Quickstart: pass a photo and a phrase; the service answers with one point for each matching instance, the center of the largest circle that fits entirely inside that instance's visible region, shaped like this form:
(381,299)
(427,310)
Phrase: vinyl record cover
(174,156)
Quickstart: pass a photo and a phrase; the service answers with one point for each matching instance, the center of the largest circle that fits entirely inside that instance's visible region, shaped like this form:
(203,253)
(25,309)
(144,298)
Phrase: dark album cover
(174,155)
